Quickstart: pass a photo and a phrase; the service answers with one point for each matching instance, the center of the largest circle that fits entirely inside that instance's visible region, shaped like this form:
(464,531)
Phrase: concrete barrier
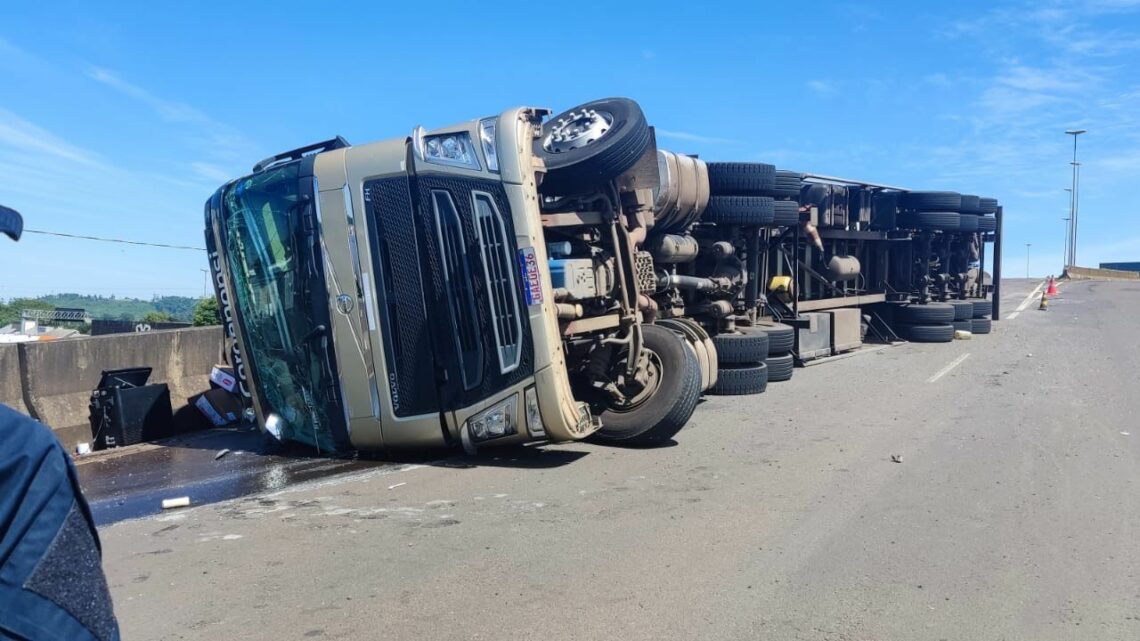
(1090,273)
(11,391)
(57,376)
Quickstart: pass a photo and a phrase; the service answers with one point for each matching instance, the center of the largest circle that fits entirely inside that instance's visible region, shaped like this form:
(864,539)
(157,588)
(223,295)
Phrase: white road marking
(1031,297)
(946,370)
(1012,316)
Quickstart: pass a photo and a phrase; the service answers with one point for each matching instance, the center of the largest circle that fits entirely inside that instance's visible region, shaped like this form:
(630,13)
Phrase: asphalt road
(1013,514)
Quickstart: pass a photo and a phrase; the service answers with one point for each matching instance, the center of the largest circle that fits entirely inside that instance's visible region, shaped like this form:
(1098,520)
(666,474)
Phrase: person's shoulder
(19,432)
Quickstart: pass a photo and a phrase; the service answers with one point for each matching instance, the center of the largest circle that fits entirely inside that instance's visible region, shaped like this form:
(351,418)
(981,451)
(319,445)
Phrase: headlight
(487,137)
(451,149)
(495,421)
(533,417)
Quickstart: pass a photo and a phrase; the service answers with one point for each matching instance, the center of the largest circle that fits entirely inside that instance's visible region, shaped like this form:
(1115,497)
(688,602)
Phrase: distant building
(1127,267)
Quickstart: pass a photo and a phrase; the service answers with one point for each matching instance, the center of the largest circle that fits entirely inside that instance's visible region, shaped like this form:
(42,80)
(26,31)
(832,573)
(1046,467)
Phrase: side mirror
(11,223)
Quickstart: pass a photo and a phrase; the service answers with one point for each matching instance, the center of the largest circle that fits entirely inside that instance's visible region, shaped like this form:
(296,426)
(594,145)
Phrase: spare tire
(987,223)
(981,325)
(924,314)
(940,333)
(748,346)
(785,213)
(737,380)
(739,210)
(931,201)
(781,338)
(591,144)
(963,309)
(780,368)
(741,178)
(935,220)
(969,204)
(987,205)
(982,307)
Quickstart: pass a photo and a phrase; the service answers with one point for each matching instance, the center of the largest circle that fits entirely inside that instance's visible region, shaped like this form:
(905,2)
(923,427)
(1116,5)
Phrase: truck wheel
(698,340)
(738,380)
(966,325)
(748,346)
(936,220)
(786,213)
(970,204)
(781,338)
(981,325)
(787,183)
(942,333)
(982,307)
(924,314)
(968,223)
(780,368)
(931,201)
(963,309)
(739,210)
(741,178)
(656,413)
(591,144)
(987,223)
(987,205)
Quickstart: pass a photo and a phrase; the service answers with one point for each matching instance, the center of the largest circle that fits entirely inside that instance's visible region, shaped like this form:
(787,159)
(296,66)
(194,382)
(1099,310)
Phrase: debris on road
(221,453)
(896,458)
(392,487)
(182,501)
(82,448)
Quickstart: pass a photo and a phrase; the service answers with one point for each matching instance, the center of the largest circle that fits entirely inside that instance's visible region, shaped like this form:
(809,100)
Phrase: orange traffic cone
(1052,289)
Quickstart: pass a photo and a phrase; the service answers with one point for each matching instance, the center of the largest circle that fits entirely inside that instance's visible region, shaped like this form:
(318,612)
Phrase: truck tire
(699,341)
(781,338)
(656,416)
(963,309)
(748,346)
(780,368)
(982,307)
(968,223)
(739,380)
(785,213)
(935,220)
(987,223)
(741,178)
(787,184)
(969,204)
(940,333)
(987,205)
(591,144)
(739,210)
(966,325)
(931,201)
(981,325)
(931,313)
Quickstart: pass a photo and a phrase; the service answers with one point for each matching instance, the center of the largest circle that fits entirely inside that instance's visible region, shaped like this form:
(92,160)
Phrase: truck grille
(457,283)
(499,272)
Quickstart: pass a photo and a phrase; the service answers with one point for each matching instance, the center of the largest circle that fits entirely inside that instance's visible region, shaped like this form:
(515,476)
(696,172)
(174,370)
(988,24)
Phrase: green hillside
(178,308)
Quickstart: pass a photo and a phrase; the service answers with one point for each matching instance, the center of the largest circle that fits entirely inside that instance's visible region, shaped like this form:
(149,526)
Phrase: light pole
(1027,246)
(1068,227)
(204,280)
(1076,195)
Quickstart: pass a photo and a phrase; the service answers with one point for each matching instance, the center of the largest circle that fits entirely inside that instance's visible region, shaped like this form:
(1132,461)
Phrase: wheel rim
(653,382)
(577,129)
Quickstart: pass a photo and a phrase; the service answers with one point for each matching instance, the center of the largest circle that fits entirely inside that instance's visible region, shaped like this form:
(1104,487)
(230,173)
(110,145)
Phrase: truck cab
(403,294)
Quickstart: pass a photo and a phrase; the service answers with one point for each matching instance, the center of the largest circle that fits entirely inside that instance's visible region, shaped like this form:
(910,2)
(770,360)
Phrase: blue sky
(119,119)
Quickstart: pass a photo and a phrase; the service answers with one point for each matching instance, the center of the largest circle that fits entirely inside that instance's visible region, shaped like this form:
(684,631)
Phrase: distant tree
(156,317)
(206,312)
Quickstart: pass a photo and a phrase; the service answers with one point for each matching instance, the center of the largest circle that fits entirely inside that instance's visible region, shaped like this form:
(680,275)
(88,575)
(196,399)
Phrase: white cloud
(22,135)
(822,87)
(691,137)
(210,172)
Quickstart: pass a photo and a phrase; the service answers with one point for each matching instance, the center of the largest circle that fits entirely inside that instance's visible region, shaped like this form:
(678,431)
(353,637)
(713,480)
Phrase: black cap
(11,223)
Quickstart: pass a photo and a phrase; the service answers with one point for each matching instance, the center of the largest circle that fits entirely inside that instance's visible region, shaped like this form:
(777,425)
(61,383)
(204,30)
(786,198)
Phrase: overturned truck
(525,277)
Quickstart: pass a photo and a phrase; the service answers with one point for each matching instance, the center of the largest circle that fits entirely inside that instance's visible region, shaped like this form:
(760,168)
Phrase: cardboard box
(220,406)
(224,378)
